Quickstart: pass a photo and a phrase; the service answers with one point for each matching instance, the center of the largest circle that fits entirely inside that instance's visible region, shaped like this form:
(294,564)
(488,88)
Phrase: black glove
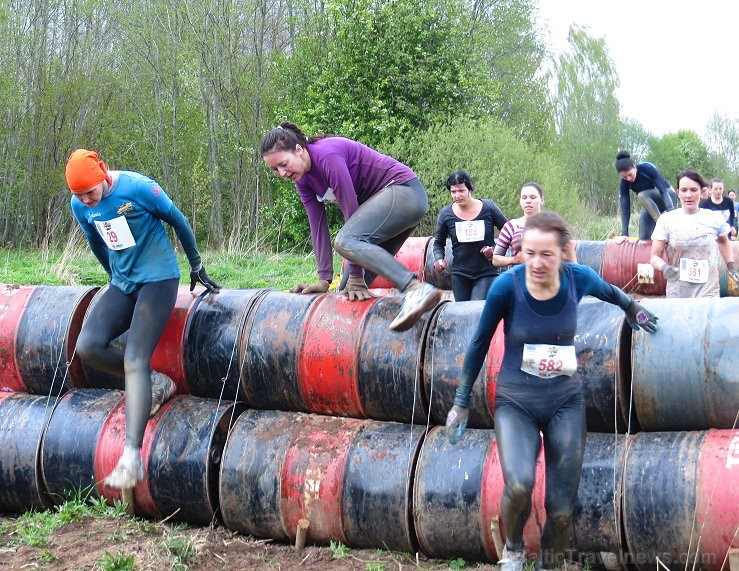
(456,422)
(198,275)
(638,316)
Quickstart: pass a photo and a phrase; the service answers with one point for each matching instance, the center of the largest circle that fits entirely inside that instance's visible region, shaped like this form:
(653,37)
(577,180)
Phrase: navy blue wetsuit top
(468,260)
(552,321)
(647,176)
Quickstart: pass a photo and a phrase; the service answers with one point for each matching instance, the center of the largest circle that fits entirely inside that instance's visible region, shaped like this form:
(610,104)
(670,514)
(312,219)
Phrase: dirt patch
(98,543)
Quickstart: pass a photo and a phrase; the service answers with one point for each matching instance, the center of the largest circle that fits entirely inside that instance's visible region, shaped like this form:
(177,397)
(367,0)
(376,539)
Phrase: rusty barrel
(349,362)
(597,342)
(23,418)
(442,280)
(69,446)
(350,478)
(449,335)
(182,448)
(168,356)
(458,490)
(686,376)
(39,326)
(412,255)
(590,253)
(681,499)
(212,342)
(620,267)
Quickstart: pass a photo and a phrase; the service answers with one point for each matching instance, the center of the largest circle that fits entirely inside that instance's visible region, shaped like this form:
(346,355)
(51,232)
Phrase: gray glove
(356,289)
(733,272)
(319,287)
(456,422)
(638,316)
(671,273)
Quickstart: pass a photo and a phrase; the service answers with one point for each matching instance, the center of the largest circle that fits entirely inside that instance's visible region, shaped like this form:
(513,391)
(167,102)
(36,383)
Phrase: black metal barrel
(23,418)
(442,280)
(590,253)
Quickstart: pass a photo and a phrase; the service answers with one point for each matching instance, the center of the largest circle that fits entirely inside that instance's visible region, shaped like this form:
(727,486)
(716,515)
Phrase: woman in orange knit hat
(121,214)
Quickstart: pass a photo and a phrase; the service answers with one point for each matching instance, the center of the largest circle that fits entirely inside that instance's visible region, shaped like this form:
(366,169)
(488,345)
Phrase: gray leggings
(654,205)
(144,314)
(377,230)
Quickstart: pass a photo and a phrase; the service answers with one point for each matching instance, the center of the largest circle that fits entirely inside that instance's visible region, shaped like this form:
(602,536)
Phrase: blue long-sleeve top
(500,303)
(647,176)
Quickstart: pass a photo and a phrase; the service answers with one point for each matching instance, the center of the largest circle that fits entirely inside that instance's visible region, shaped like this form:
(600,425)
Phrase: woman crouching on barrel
(536,390)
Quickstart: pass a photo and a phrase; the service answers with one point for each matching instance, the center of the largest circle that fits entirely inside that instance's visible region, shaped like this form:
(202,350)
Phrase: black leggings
(654,205)
(561,420)
(471,289)
(144,314)
(377,229)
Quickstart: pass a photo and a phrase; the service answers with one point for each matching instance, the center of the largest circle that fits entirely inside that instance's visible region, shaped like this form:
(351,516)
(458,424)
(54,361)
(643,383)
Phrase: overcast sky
(651,42)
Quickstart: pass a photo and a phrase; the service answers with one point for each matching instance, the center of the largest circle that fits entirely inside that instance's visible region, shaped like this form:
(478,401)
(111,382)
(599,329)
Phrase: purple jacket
(352,172)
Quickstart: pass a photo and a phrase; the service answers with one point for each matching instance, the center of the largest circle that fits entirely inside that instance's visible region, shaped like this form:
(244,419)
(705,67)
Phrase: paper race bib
(547,361)
(470,230)
(116,233)
(693,271)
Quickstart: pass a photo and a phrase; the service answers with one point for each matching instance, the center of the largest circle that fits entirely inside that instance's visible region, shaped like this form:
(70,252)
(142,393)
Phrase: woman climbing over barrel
(536,391)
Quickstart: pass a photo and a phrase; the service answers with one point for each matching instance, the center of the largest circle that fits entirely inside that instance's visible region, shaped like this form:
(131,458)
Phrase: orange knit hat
(85,170)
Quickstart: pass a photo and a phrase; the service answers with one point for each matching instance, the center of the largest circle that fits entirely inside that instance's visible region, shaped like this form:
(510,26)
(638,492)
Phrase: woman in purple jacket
(381,199)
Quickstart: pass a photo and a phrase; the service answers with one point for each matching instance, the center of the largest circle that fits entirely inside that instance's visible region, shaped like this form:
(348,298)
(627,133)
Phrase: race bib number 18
(547,361)
(116,233)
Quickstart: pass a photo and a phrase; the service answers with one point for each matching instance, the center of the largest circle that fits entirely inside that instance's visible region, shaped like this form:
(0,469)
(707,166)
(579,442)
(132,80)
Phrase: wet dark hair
(285,137)
(460,177)
(693,175)
(549,222)
(624,161)
(535,185)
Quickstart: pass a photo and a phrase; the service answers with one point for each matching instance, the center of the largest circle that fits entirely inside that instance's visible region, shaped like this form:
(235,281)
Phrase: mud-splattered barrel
(412,255)
(349,478)
(620,267)
(681,499)
(351,364)
(213,339)
(590,253)
(23,418)
(442,280)
(69,445)
(168,356)
(449,336)
(182,448)
(686,376)
(39,326)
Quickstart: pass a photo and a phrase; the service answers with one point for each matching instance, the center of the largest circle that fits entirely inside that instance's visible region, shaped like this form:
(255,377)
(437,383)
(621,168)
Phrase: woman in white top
(692,239)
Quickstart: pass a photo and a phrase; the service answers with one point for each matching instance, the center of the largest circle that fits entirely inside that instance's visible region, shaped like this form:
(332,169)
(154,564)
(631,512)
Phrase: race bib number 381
(547,361)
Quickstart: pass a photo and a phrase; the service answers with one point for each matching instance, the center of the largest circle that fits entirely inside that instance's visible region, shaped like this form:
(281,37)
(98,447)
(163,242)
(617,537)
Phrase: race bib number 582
(547,361)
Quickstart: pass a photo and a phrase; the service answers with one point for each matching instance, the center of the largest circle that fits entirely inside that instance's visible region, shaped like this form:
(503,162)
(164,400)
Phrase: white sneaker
(128,471)
(162,389)
(512,560)
(420,298)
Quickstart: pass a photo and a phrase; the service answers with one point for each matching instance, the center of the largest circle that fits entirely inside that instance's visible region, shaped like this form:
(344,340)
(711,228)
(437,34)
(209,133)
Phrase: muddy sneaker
(162,389)
(512,560)
(128,471)
(417,300)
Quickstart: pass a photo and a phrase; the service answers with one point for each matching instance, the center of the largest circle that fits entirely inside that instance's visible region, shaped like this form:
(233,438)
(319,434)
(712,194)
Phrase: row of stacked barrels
(670,496)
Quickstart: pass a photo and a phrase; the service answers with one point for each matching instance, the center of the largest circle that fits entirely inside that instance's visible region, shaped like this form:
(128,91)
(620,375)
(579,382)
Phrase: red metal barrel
(681,499)
(449,336)
(442,280)
(69,445)
(39,326)
(23,418)
(590,253)
(212,342)
(182,448)
(685,376)
(620,266)
(348,477)
(412,255)
(168,356)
